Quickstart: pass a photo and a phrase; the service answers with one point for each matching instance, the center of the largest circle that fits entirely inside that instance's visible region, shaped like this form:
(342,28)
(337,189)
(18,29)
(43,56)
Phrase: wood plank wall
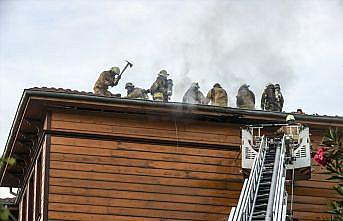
(97,179)
(101,179)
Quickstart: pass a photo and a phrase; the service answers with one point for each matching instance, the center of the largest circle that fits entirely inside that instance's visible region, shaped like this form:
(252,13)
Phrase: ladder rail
(276,197)
(277,200)
(246,200)
(232,213)
(254,181)
(281,206)
(279,186)
(235,210)
(281,202)
(284,210)
(256,187)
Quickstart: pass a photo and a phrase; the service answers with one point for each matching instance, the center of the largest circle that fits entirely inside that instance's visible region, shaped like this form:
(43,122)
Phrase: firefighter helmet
(290,119)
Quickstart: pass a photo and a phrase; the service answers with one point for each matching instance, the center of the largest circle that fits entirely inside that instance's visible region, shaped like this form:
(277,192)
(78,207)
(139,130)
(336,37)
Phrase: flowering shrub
(331,157)
(321,157)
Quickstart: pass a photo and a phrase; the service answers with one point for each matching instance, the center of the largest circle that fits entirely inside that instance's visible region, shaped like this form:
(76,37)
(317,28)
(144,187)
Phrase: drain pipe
(269,215)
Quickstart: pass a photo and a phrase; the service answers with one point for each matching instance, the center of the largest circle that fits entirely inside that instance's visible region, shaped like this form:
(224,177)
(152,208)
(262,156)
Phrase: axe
(127,64)
(119,76)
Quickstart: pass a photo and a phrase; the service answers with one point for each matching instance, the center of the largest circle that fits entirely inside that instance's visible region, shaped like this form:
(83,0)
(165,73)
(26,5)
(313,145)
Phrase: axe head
(129,63)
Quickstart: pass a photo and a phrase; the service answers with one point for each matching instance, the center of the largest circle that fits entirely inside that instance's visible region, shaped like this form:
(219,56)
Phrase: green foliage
(4,212)
(10,161)
(332,141)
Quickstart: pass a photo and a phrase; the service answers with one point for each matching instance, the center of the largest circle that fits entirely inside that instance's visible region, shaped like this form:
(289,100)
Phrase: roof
(36,101)
(61,92)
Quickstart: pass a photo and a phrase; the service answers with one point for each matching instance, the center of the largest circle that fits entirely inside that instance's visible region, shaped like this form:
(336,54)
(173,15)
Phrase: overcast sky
(63,43)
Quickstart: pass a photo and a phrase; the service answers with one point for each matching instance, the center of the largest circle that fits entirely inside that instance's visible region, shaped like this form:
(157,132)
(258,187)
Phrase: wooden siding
(135,126)
(114,178)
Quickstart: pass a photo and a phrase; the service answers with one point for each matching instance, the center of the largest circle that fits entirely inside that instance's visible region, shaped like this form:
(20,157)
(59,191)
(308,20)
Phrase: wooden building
(86,157)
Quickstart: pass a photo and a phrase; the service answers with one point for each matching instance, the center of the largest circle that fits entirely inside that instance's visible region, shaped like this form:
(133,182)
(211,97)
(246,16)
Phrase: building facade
(86,157)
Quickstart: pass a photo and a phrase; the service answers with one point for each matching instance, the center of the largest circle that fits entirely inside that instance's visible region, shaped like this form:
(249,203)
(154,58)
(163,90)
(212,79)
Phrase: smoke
(182,84)
(236,42)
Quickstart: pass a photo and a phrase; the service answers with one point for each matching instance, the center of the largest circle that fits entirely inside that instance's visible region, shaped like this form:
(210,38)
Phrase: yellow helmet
(115,70)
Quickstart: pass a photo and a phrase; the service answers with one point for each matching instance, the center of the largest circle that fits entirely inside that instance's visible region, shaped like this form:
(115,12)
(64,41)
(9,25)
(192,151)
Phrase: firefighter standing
(161,89)
(217,96)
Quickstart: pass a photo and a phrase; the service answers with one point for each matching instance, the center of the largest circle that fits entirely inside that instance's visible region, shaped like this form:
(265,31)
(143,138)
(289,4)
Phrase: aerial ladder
(270,160)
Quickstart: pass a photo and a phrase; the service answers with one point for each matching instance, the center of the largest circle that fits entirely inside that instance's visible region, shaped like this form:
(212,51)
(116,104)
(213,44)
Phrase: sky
(66,44)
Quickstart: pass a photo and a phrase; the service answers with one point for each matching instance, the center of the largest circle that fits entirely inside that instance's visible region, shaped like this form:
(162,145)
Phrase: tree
(331,157)
(4,212)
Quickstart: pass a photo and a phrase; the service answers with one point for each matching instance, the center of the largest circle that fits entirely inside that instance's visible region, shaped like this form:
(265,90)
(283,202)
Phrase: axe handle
(119,76)
(127,64)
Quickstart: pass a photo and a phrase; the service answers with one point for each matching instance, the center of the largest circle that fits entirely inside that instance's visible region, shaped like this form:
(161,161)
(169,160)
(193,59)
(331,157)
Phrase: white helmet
(290,118)
(163,73)
(195,85)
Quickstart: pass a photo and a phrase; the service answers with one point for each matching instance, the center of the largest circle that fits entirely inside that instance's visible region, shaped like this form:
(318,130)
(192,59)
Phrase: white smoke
(237,42)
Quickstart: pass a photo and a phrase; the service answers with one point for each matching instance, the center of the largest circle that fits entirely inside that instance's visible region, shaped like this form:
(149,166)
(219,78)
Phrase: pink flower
(320,157)
(321,150)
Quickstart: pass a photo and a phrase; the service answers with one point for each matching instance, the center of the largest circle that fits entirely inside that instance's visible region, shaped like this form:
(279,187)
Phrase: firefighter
(291,129)
(278,97)
(217,96)
(105,80)
(135,92)
(245,97)
(193,95)
(268,100)
(161,89)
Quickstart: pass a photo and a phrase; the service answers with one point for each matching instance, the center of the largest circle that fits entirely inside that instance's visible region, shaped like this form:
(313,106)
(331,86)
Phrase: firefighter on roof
(217,96)
(135,92)
(193,95)
(105,80)
(161,89)
(272,99)
(279,97)
(245,97)
(268,100)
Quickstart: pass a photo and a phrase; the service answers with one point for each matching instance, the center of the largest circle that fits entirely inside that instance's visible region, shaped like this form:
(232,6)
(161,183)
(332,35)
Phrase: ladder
(263,196)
